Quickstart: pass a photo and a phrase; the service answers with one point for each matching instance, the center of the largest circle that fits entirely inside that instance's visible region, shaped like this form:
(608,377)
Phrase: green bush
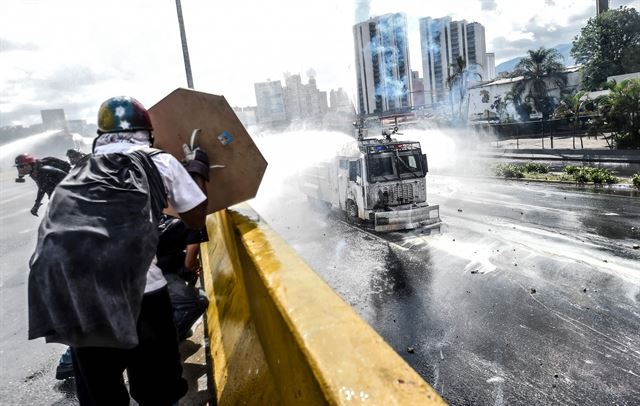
(509,170)
(598,176)
(571,169)
(636,180)
(533,167)
(582,174)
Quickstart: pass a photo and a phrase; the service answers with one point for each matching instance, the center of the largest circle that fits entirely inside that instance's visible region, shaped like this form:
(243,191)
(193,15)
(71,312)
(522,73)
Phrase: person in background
(46,172)
(177,256)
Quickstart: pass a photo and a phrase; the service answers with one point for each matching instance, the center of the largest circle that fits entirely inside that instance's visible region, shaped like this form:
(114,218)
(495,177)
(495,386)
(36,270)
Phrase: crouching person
(93,283)
(178,258)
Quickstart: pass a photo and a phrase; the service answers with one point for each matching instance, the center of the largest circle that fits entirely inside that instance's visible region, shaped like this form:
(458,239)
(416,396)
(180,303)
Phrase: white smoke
(47,143)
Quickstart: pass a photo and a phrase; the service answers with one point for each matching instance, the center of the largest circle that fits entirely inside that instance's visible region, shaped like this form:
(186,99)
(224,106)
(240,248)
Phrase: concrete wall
(280,335)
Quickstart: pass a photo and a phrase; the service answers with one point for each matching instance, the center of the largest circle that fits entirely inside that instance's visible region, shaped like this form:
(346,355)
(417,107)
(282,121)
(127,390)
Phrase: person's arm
(191,258)
(195,218)
(185,195)
(37,204)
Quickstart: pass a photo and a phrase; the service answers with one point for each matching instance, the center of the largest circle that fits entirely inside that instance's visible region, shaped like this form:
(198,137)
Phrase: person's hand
(196,162)
(34,210)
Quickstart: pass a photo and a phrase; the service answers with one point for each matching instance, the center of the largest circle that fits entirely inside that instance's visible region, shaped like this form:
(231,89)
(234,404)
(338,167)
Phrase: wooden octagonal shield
(237,164)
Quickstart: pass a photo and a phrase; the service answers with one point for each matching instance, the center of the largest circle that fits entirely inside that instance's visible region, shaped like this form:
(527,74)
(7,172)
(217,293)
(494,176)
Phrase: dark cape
(95,245)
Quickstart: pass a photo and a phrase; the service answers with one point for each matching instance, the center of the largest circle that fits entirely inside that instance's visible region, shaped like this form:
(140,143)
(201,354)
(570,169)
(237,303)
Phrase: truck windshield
(409,163)
(381,168)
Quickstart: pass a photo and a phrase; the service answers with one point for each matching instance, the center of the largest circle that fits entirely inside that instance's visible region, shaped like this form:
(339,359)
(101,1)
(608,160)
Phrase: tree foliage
(500,106)
(621,110)
(571,106)
(608,45)
(458,81)
(538,68)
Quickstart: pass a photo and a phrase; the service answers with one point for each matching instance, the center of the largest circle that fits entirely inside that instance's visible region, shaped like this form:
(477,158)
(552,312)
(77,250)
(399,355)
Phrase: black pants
(153,367)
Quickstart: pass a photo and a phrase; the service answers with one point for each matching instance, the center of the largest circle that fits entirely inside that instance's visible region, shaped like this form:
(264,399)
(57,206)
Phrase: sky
(74,54)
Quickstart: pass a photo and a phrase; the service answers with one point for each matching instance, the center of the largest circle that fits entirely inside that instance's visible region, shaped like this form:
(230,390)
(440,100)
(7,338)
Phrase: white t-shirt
(182,192)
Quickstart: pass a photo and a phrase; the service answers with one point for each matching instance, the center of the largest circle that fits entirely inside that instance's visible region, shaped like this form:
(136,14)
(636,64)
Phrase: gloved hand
(34,210)
(196,161)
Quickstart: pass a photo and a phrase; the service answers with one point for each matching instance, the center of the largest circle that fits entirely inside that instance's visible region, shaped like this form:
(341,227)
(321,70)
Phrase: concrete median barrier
(280,335)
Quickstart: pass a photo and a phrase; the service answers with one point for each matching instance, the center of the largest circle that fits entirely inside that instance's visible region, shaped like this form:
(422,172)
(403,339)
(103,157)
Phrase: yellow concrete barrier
(280,335)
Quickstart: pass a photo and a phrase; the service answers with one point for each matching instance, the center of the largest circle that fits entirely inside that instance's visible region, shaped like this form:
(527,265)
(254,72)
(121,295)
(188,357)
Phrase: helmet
(25,159)
(122,114)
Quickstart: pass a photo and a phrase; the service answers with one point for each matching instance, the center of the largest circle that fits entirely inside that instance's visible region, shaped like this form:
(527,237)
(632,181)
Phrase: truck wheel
(352,212)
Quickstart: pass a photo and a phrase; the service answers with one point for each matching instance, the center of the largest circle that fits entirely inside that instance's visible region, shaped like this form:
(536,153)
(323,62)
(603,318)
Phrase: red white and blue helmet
(122,114)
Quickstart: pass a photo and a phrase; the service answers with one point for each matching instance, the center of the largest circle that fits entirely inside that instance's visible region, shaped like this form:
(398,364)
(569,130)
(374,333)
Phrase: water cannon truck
(380,182)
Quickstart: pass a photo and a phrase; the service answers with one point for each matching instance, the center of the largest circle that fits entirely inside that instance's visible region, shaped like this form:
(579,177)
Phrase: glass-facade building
(382,65)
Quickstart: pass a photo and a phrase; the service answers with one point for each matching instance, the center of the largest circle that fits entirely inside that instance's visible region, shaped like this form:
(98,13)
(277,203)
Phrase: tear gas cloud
(288,153)
(48,143)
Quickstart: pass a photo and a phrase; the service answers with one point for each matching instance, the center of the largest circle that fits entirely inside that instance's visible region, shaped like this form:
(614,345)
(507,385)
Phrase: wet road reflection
(530,293)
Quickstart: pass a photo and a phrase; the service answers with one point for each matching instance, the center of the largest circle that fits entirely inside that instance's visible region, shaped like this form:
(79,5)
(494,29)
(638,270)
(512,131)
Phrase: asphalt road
(528,294)
(27,368)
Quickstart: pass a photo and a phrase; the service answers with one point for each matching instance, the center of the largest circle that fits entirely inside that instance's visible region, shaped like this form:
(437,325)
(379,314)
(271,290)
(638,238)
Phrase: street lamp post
(185,49)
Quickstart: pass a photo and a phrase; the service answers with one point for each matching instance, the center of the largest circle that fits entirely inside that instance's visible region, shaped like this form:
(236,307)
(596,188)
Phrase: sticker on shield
(225,138)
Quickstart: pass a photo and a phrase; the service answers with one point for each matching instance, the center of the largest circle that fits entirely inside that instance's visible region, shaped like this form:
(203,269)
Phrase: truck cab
(383,181)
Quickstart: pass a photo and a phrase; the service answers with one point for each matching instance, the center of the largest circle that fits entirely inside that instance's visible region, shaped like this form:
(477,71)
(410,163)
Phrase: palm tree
(458,81)
(539,67)
(571,106)
(621,112)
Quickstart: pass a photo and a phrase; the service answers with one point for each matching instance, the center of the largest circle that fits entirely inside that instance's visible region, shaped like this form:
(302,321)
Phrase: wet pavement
(528,294)
(27,368)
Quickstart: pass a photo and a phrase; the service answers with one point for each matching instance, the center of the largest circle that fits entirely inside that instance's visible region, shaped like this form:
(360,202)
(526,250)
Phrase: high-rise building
(477,48)
(270,102)
(246,115)
(434,41)
(490,70)
(417,88)
(602,6)
(442,42)
(339,101)
(53,119)
(382,64)
(293,96)
(303,101)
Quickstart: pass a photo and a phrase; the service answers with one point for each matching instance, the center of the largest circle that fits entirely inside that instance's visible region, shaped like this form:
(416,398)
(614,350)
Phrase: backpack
(56,163)
(95,245)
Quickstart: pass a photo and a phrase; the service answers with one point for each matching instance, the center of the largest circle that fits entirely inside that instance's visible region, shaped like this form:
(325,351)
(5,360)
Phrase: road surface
(529,294)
